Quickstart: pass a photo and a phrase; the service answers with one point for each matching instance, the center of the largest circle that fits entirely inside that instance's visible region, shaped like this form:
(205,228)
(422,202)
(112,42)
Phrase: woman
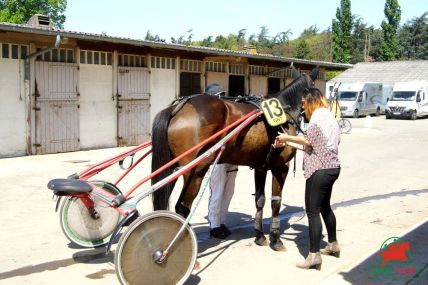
(321,169)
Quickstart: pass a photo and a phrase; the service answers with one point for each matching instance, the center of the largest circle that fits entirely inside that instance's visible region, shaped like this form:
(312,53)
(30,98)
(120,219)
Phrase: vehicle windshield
(347,96)
(403,96)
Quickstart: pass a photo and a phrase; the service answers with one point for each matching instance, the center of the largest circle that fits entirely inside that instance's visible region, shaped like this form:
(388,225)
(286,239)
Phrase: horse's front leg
(278,180)
(260,179)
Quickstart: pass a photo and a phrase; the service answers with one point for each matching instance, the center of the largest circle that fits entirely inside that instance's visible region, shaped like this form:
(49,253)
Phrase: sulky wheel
(145,239)
(79,225)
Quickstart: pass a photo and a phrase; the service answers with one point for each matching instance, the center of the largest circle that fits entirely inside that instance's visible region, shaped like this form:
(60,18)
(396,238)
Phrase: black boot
(225,229)
(218,233)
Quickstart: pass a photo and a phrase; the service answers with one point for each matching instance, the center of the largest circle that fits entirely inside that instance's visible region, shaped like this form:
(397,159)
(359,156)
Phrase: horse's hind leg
(192,183)
(260,179)
(278,180)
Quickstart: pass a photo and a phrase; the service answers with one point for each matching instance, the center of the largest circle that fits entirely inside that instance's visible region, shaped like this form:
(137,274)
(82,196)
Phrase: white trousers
(222,186)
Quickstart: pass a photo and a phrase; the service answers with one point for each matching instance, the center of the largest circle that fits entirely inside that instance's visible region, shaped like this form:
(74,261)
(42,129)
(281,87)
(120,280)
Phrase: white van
(409,100)
(361,98)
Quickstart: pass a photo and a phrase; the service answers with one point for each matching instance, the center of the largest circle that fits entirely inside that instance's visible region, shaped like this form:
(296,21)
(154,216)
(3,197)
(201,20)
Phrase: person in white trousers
(222,188)
(222,185)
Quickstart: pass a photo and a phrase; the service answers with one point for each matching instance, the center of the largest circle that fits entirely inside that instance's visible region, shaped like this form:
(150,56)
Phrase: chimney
(40,21)
(251,49)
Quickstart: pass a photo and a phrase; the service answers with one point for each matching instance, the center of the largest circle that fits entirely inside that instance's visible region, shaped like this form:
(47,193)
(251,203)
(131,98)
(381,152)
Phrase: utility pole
(365,49)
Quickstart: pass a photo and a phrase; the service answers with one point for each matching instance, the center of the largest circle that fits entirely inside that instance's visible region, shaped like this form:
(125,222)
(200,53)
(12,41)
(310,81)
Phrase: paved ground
(382,192)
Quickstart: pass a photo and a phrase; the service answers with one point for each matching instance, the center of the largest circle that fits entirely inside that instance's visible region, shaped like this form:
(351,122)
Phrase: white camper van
(361,98)
(409,100)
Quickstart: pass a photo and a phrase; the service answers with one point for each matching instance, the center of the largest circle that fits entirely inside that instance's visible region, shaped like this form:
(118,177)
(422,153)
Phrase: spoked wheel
(146,238)
(80,226)
(345,126)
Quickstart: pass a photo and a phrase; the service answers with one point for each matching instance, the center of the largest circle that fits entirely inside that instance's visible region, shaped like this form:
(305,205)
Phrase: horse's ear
(295,73)
(315,72)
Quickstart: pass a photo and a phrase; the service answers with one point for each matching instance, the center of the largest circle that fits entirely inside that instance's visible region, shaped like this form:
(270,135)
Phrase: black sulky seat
(62,187)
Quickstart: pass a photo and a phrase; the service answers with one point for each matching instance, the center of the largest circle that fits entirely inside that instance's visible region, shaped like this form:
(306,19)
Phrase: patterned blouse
(323,133)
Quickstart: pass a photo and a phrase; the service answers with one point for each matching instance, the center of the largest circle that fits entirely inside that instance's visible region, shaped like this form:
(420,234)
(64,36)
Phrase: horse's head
(291,95)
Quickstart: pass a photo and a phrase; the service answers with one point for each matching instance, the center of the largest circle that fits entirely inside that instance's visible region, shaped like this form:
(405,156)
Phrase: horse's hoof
(260,240)
(278,246)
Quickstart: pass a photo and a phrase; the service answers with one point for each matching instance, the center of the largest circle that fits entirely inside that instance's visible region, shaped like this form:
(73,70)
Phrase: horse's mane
(290,94)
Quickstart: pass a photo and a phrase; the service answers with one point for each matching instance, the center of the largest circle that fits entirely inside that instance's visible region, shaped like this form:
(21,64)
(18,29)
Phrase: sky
(169,18)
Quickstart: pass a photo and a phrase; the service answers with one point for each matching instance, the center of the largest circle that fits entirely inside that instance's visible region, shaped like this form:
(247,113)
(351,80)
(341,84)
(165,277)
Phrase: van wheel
(356,114)
(413,115)
(377,112)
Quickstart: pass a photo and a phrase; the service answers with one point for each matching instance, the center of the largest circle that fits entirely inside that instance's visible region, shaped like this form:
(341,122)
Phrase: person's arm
(284,138)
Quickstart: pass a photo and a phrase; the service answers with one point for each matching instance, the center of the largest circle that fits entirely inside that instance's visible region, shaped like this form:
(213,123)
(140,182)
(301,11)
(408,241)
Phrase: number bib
(273,112)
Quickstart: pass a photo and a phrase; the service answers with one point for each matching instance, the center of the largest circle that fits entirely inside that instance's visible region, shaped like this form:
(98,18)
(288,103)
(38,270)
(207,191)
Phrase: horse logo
(395,251)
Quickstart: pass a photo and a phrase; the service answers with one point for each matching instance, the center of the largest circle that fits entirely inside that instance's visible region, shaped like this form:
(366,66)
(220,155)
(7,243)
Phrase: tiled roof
(136,42)
(385,72)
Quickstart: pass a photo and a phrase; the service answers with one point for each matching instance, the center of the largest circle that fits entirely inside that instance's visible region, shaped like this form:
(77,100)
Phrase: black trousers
(317,200)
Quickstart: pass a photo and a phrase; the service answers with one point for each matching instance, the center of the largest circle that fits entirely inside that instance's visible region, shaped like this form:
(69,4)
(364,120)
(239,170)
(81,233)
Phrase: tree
(413,38)
(154,38)
(341,32)
(311,31)
(282,37)
(20,11)
(389,49)
(263,41)
(302,50)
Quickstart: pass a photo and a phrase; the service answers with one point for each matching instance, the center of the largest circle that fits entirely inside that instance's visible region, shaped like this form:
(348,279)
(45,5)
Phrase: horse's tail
(161,155)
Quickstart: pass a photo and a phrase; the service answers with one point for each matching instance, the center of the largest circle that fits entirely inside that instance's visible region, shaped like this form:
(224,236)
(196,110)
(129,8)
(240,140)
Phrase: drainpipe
(28,89)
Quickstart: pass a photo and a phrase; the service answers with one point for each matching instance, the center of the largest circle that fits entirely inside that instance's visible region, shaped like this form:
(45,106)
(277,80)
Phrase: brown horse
(174,132)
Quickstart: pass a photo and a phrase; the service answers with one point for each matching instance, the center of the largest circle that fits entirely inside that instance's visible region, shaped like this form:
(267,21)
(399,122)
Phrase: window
(13,51)
(237,69)
(89,57)
(95,57)
(215,66)
(47,56)
(24,51)
(162,62)
(131,60)
(56,55)
(188,65)
(279,72)
(5,50)
(82,56)
(257,70)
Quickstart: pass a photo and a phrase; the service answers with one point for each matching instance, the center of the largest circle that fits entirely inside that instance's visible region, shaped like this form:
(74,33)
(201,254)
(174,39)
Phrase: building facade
(94,91)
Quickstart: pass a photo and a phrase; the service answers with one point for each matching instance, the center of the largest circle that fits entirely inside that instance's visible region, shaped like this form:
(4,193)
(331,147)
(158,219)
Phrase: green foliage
(350,39)
(154,38)
(376,40)
(389,49)
(20,11)
(341,30)
(413,38)
(302,50)
(332,74)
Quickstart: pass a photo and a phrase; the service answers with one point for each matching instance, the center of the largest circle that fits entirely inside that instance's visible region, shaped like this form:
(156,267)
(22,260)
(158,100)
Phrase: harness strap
(180,103)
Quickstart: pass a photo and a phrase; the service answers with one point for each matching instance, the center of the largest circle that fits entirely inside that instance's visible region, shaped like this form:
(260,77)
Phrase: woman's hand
(280,140)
